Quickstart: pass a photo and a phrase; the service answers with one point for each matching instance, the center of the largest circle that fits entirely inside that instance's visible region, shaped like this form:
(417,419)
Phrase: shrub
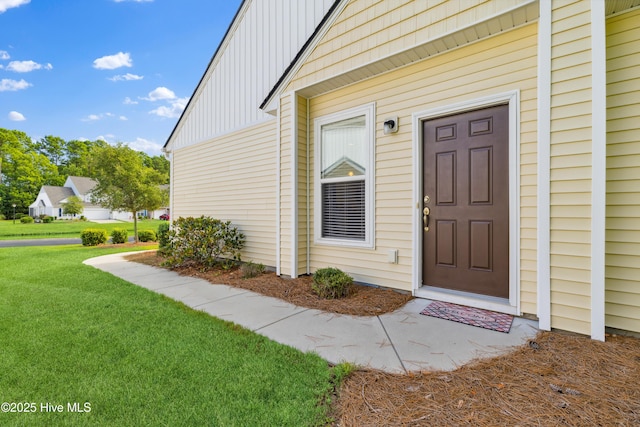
(26,219)
(119,235)
(203,241)
(83,218)
(147,236)
(163,238)
(20,215)
(331,283)
(251,269)
(2,217)
(47,219)
(93,236)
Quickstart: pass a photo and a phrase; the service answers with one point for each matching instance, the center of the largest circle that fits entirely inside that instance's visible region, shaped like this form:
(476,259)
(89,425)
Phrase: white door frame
(504,305)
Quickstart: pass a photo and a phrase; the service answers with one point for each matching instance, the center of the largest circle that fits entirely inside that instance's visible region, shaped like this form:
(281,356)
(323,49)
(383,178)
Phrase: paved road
(43,242)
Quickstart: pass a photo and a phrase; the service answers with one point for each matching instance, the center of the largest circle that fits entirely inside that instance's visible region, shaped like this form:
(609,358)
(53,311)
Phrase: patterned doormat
(469,316)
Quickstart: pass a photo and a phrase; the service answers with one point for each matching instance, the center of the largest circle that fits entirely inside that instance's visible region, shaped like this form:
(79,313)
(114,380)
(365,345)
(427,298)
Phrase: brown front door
(466,191)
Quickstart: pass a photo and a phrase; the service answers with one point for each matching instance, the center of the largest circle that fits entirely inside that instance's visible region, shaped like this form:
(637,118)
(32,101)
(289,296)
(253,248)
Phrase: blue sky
(118,70)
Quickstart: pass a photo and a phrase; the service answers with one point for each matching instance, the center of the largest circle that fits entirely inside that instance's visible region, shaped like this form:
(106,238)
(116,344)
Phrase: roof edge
(333,11)
(206,71)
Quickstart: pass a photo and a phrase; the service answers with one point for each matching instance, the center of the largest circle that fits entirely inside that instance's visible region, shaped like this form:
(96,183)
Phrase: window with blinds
(343,210)
(343,160)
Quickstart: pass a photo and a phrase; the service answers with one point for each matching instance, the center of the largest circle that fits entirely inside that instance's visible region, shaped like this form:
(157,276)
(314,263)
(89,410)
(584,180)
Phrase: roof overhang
(522,14)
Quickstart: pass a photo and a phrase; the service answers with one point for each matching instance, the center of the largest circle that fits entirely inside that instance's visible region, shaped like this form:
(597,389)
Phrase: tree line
(26,165)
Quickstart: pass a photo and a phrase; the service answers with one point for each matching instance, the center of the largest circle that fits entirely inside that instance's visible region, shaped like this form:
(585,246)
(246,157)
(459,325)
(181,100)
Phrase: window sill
(355,244)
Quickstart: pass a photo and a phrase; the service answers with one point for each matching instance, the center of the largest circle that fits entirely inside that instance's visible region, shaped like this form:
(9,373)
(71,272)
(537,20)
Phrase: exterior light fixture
(391,125)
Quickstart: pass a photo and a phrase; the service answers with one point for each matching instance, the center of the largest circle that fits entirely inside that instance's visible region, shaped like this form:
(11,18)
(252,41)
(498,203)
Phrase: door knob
(425,218)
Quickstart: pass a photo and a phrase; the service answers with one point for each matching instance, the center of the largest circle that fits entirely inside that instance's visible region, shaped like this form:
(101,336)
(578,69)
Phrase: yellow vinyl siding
(369,29)
(243,192)
(571,157)
(495,65)
(622,294)
(302,185)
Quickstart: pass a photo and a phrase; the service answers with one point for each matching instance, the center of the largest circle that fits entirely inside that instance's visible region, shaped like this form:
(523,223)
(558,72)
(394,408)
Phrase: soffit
(513,18)
(617,6)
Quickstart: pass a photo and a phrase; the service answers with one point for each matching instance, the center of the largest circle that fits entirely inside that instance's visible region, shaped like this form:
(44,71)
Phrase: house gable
(81,186)
(260,43)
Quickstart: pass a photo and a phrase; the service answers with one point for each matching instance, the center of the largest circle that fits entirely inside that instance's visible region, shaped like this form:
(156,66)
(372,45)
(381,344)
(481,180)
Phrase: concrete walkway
(398,342)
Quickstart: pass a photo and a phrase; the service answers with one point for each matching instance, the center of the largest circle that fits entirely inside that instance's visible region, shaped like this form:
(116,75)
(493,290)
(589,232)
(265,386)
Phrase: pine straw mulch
(555,379)
(362,301)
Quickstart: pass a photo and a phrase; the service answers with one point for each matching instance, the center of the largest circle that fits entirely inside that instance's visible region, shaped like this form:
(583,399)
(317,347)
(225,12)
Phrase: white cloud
(123,118)
(13,85)
(26,66)
(127,77)
(173,110)
(111,62)
(149,147)
(104,137)
(96,117)
(4,54)
(129,101)
(160,93)
(14,116)
(8,4)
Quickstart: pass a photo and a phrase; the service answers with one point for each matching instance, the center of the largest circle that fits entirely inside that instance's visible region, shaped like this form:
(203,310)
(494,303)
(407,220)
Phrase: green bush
(147,236)
(331,283)
(26,219)
(2,217)
(93,236)
(47,219)
(119,235)
(205,242)
(20,215)
(163,238)
(251,269)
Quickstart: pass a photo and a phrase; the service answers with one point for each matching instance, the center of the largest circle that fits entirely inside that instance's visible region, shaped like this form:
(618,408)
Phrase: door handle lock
(425,218)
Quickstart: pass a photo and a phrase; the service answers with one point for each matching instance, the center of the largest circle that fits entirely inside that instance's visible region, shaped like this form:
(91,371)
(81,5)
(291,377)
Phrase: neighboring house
(51,199)
(494,145)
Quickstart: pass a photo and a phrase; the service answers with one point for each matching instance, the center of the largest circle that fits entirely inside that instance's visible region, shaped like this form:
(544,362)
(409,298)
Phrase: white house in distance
(51,199)
(481,152)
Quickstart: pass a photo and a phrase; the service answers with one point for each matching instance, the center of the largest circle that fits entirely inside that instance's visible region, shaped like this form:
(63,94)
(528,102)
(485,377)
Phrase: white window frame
(367,110)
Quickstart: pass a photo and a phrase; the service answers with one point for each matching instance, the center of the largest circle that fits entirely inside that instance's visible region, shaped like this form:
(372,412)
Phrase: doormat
(469,316)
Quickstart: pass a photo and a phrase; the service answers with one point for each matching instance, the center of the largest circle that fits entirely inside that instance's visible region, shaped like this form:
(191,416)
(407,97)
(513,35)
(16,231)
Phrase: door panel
(466,176)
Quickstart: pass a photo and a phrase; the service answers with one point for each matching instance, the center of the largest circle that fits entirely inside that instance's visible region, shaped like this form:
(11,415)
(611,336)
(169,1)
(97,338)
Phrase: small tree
(124,182)
(73,206)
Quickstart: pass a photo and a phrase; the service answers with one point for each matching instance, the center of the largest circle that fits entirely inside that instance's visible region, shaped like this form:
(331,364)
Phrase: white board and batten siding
(261,43)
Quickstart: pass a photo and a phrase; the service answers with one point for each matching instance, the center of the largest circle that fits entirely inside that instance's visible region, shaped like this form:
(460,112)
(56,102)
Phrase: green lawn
(70,333)
(63,228)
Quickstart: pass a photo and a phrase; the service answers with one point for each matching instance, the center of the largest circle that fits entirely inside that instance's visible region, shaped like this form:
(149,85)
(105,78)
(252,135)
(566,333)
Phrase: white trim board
(294,185)
(511,305)
(599,168)
(543,270)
